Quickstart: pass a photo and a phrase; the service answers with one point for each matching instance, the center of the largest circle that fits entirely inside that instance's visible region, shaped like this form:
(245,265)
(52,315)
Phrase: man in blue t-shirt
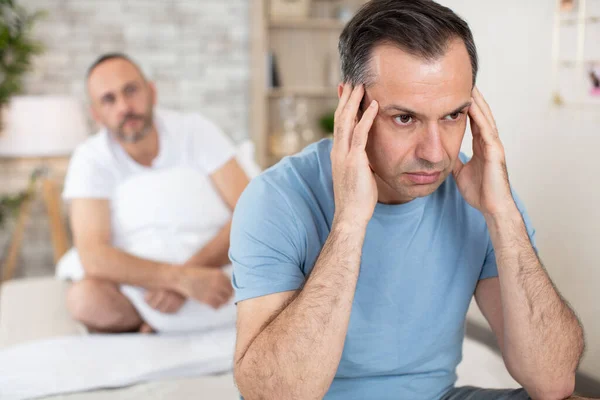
(355,261)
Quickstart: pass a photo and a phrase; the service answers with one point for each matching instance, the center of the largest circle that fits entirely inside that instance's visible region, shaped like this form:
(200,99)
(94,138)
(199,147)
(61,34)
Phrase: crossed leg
(101,307)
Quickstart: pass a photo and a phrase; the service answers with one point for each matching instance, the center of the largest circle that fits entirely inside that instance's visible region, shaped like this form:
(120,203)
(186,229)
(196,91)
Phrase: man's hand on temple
(483,181)
(354,185)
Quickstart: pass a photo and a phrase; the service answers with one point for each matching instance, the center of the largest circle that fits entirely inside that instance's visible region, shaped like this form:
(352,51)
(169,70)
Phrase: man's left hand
(483,181)
(165,301)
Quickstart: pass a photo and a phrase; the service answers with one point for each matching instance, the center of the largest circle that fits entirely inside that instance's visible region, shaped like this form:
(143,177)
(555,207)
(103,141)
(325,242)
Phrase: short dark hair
(422,28)
(111,56)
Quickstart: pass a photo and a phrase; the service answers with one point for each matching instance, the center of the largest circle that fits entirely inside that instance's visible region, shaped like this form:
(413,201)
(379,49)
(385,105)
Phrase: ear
(95,115)
(152,88)
(340,89)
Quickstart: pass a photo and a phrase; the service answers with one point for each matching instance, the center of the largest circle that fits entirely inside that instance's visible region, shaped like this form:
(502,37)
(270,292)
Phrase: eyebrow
(399,108)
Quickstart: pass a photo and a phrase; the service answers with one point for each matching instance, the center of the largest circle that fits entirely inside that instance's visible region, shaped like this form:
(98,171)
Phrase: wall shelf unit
(304,50)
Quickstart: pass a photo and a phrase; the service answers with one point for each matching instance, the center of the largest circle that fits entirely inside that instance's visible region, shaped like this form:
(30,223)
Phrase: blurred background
(268,73)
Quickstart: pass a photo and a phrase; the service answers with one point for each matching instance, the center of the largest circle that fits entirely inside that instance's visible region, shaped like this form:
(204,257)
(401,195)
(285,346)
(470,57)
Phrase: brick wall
(196,51)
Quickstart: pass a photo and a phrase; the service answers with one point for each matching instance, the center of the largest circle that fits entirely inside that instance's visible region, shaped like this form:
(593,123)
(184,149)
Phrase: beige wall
(551,152)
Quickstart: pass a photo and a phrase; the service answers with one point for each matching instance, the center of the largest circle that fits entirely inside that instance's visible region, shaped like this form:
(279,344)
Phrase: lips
(424,178)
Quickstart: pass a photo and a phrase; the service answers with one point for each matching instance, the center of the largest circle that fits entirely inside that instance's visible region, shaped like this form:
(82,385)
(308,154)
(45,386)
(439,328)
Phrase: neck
(387,194)
(145,150)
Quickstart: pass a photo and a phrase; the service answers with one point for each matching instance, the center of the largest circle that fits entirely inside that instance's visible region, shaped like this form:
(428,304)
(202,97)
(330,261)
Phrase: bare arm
(540,336)
(290,345)
(90,219)
(230,181)
(295,354)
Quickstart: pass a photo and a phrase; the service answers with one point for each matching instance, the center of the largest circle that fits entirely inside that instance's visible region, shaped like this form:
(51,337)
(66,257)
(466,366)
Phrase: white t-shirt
(100,164)
(169,210)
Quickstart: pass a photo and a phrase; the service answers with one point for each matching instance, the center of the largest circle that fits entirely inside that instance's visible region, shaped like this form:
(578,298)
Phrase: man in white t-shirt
(137,139)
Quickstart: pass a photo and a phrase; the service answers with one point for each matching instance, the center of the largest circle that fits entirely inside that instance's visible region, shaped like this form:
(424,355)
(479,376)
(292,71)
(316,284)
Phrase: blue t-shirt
(420,265)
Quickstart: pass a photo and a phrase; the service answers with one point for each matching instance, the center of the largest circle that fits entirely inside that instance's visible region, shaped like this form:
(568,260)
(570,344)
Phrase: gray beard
(136,137)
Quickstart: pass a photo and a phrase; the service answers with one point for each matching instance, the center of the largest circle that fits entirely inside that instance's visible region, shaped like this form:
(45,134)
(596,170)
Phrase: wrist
(348,225)
(509,214)
(172,275)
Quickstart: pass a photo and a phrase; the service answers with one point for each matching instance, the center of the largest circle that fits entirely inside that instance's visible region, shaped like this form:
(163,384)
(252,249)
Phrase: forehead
(422,85)
(111,75)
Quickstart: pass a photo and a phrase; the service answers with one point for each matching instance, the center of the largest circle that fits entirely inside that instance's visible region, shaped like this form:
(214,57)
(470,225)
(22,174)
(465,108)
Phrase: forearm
(543,340)
(215,252)
(297,353)
(112,264)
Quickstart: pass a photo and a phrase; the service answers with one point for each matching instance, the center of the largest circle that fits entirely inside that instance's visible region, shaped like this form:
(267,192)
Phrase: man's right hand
(204,284)
(354,186)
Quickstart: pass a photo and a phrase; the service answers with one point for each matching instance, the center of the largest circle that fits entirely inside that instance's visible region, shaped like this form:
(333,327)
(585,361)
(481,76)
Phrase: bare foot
(146,329)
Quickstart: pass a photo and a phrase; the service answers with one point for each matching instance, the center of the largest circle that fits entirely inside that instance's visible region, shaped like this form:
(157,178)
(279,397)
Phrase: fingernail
(373,103)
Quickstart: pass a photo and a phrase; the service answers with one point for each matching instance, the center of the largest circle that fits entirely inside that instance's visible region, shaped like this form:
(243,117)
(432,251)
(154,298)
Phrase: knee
(83,298)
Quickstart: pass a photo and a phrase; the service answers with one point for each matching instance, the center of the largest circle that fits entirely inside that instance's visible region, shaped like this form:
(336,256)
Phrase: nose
(122,107)
(430,145)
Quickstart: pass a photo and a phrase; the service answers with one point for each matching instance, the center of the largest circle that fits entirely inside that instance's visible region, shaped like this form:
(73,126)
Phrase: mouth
(424,178)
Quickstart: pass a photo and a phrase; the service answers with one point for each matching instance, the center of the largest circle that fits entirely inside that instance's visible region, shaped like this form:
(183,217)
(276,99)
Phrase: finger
(350,110)
(149,295)
(346,92)
(178,305)
(223,299)
(347,119)
(152,299)
(361,132)
(225,296)
(228,286)
(458,166)
(484,106)
(480,126)
(213,302)
(162,302)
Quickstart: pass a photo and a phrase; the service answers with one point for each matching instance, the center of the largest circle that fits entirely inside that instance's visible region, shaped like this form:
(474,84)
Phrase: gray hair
(422,28)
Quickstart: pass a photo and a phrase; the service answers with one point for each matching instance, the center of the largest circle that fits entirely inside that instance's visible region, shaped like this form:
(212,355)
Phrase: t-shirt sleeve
(266,245)
(211,147)
(88,177)
(490,268)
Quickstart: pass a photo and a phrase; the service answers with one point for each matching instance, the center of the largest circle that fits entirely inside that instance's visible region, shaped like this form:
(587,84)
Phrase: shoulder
(309,171)
(292,185)
(94,150)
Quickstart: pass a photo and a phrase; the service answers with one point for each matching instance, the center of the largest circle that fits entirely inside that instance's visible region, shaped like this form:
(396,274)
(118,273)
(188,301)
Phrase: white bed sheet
(82,363)
(480,367)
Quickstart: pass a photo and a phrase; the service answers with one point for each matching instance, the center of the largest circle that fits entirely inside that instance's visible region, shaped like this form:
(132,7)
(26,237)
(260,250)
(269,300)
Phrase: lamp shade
(42,126)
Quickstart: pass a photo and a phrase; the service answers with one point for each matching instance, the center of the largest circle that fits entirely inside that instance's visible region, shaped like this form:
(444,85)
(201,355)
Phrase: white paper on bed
(166,216)
(81,363)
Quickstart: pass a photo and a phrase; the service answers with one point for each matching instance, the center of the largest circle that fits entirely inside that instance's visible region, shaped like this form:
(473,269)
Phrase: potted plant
(17,48)
(326,122)
(10,204)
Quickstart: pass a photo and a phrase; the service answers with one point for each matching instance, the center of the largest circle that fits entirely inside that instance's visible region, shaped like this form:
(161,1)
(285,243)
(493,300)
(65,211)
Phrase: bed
(33,309)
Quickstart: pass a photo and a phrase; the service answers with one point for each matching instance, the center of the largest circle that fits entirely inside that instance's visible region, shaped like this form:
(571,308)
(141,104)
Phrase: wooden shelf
(307,23)
(575,63)
(303,92)
(571,20)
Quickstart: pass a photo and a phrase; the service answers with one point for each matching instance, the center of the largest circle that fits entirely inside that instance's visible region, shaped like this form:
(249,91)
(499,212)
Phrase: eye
(403,120)
(108,99)
(131,89)
(453,117)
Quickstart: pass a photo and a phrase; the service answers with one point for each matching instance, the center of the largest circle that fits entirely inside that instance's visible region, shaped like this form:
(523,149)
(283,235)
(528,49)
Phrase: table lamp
(40,127)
